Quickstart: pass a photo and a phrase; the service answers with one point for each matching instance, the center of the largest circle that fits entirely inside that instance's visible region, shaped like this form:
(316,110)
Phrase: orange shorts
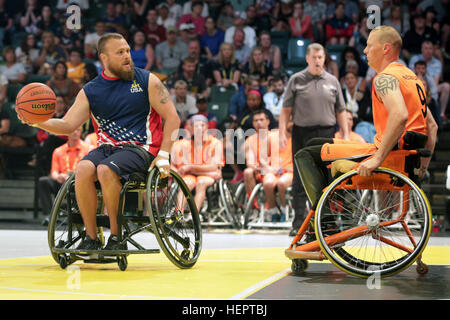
(193,180)
(349,150)
(285,175)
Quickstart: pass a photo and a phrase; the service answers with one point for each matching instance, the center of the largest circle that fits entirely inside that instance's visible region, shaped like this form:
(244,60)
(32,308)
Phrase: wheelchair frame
(330,246)
(165,226)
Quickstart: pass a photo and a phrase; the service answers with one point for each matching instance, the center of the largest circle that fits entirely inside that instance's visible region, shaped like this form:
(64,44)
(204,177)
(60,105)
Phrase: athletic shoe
(114,244)
(88,244)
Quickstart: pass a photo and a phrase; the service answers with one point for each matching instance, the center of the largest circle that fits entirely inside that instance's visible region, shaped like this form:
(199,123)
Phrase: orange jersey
(269,153)
(414,95)
(65,159)
(209,152)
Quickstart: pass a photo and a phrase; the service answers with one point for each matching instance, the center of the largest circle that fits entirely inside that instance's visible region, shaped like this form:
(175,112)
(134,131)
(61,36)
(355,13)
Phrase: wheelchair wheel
(373,225)
(175,219)
(231,204)
(63,231)
(253,214)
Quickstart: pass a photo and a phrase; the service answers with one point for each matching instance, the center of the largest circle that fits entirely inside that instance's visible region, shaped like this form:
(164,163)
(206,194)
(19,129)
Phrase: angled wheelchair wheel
(254,207)
(373,225)
(233,209)
(65,228)
(174,218)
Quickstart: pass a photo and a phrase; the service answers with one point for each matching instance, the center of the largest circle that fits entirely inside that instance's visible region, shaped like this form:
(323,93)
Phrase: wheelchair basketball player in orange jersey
(400,115)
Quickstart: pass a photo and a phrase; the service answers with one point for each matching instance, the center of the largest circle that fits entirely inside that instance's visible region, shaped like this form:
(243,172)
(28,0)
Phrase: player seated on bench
(399,112)
(269,164)
(198,159)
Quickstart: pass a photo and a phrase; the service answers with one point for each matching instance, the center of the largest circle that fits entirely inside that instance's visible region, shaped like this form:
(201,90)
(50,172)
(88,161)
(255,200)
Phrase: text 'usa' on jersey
(121,111)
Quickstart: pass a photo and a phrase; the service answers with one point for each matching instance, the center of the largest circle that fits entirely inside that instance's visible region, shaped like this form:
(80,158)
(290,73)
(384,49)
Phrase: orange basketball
(36,103)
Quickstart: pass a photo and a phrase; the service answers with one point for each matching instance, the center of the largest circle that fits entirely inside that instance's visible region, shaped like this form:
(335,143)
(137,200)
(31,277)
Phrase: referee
(315,102)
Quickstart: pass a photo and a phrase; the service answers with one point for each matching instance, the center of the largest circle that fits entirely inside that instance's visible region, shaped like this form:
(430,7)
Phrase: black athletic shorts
(122,160)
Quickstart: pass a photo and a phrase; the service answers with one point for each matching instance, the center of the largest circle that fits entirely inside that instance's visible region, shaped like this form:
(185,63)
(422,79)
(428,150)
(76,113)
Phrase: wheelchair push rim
(179,238)
(378,227)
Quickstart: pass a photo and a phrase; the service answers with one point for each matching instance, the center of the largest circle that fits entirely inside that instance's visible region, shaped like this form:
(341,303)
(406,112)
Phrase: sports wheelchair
(368,225)
(165,208)
(255,216)
(223,205)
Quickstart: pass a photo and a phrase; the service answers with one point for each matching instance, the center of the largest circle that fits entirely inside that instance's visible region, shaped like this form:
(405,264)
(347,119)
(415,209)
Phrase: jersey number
(423,100)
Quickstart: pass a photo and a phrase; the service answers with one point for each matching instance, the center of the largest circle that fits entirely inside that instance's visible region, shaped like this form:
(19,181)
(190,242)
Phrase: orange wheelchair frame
(322,248)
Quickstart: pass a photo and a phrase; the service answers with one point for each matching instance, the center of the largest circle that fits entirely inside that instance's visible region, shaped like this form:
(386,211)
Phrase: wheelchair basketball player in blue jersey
(127,106)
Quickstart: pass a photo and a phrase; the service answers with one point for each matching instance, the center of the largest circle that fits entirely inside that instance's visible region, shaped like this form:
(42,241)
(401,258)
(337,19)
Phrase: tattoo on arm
(385,84)
(163,93)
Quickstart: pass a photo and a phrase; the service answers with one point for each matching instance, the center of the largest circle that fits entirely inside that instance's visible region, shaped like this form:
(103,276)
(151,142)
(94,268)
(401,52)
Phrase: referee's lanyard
(77,158)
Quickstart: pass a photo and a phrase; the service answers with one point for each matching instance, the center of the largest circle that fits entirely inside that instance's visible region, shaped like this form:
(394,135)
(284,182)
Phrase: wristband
(163,154)
(161,163)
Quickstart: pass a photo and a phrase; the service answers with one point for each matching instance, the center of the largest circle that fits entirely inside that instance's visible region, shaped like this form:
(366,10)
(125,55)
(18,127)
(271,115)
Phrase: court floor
(232,265)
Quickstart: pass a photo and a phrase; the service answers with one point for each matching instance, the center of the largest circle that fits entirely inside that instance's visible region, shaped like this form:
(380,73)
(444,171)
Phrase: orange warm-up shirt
(415,99)
(65,159)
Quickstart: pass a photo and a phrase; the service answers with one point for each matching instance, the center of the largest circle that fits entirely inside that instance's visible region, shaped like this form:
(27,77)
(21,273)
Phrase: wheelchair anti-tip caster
(122,262)
(63,261)
(299,266)
(421,268)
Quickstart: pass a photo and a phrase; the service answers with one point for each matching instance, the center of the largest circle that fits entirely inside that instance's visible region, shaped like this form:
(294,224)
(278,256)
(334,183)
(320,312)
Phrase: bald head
(387,34)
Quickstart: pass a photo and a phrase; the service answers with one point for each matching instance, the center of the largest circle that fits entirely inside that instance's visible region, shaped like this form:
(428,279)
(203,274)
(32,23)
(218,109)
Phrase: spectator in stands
(226,70)
(50,52)
(90,72)
(14,71)
(139,11)
(420,69)
(156,34)
(141,51)
(184,102)
(6,23)
(47,142)
(202,106)
(188,7)
(351,66)
(350,7)
(274,99)
(46,22)
(268,164)
(3,90)
(271,53)
(241,50)
(64,161)
(212,39)
(331,66)
(114,23)
(171,52)
(175,10)
(195,17)
(431,20)
(397,21)
(18,136)
(356,101)
(353,136)
(282,11)
(339,29)
(434,69)
(199,159)
(413,39)
(90,41)
(75,66)
(239,100)
(226,17)
(317,10)
(350,53)
(239,23)
(258,66)
(252,19)
(62,85)
(187,32)
(69,39)
(196,83)
(164,19)
(29,17)
(264,10)
(360,35)
(195,52)
(92,140)
(300,23)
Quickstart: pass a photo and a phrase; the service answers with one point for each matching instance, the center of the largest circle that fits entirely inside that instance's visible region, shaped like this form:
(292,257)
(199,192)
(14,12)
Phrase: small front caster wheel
(122,262)
(299,266)
(63,261)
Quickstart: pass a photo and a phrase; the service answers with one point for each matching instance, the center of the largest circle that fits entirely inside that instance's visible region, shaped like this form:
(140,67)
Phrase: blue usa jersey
(121,111)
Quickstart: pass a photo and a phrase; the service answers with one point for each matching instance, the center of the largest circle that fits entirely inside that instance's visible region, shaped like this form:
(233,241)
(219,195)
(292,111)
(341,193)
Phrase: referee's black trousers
(300,138)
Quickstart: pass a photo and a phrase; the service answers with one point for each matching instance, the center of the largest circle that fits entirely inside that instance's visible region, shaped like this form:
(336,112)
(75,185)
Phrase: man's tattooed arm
(385,84)
(163,93)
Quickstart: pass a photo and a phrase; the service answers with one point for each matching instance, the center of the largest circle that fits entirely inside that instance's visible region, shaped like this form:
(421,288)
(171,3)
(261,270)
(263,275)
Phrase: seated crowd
(200,45)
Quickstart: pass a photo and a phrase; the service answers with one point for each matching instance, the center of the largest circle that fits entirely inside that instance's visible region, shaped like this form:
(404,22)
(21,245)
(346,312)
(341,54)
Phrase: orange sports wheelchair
(367,225)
